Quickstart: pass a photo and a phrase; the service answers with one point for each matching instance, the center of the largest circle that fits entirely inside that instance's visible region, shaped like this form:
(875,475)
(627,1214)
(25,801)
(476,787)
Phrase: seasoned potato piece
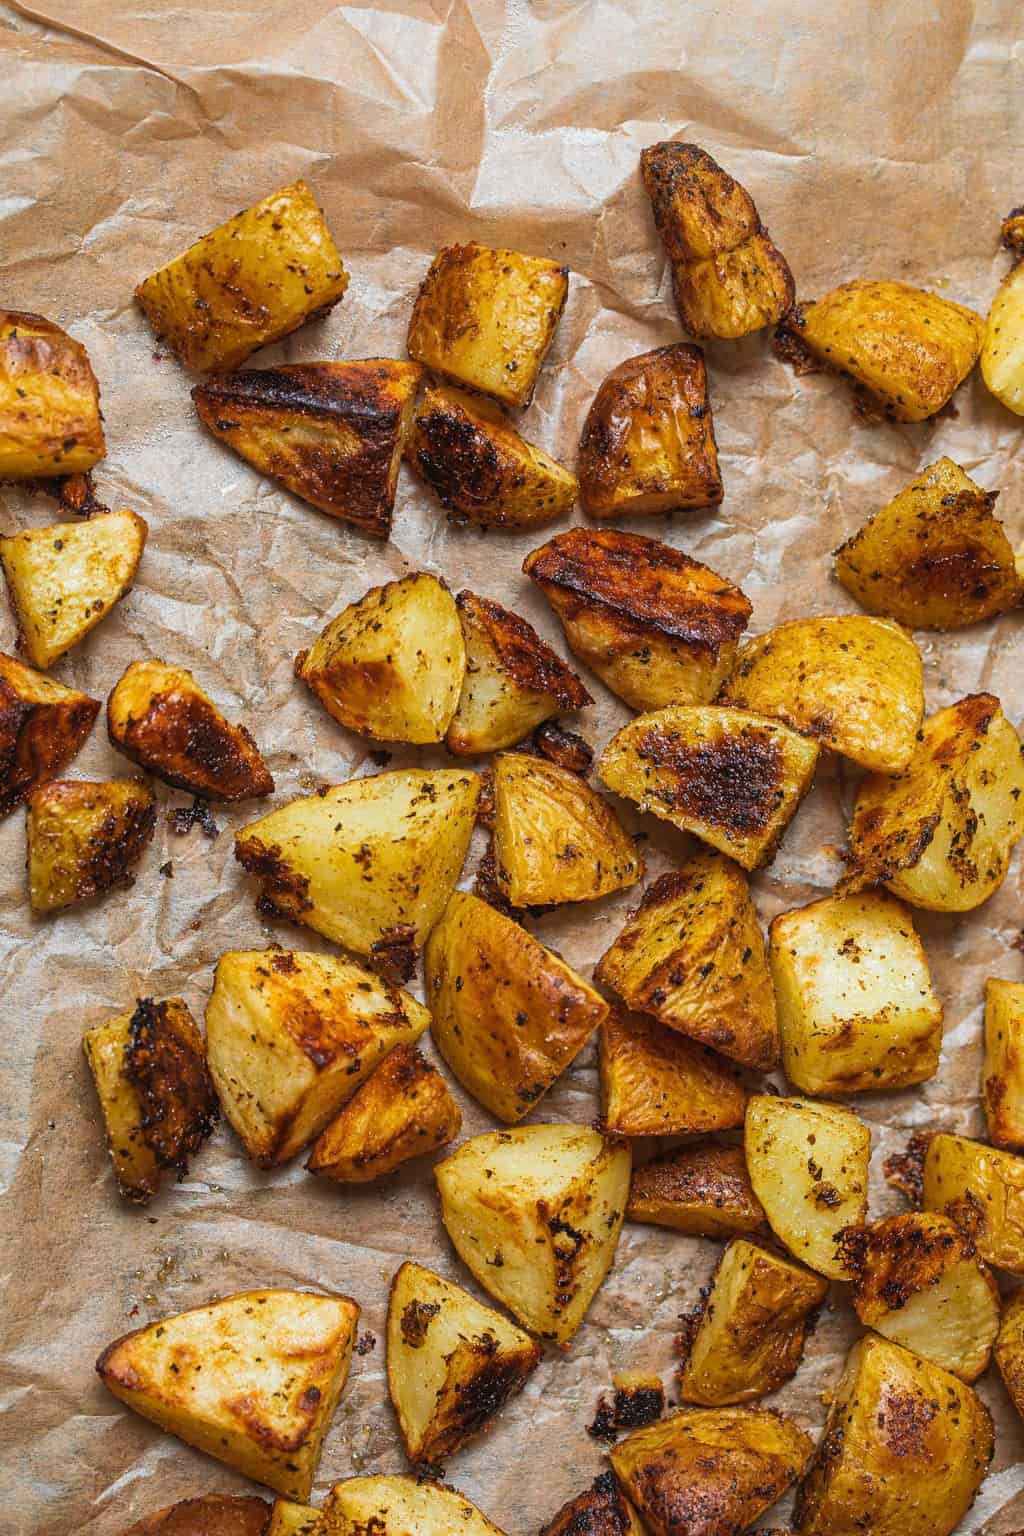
(1002,1076)
(369,863)
(252,1379)
(732,777)
(290,1519)
(693,955)
(1002,352)
(601,1511)
(84,838)
(404,1110)
(903,1452)
(292,1036)
(729,277)
(535,1214)
(982,1190)
(247,283)
(855,684)
(857,1009)
(391,665)
(657,627)
(747,1335)
(50,420)
(42,726)
(214,1514)
(702,1190)
(508,1015)
(452,1363)
(466,451)
(1009,1349)
(656,1083)
(935,557)
(513,680)
(331,433)
(808,1165)
(400,1506)
(648,442)
(485,318)
(64,579)
(940,833)
(906,349)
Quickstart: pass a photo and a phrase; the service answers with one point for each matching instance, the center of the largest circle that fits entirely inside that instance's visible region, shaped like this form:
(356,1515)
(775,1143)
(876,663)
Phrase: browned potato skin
(50,420)
(1003,1070)
(655,1082)
(84,838)
(42,726)
(702,1190)
(403,1111)
(214,1514)
(602,1511)
(981,1188)
(648,443)
(1009,1350)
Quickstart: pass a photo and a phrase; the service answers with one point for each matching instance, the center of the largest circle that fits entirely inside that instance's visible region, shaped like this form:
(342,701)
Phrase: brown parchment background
(879,140)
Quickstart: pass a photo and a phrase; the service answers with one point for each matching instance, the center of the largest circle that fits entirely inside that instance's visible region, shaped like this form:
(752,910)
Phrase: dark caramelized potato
(214,1514)
(42,726)
(602,1511)
(403,1111)
(49,401)
(84,838)
(657,1083)
(702,1190)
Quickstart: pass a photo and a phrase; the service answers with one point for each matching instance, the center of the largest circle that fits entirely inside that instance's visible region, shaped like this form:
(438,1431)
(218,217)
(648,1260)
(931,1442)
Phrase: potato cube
(655,1082)
(1002,352)
(50,421)
(42,726)
(84,839)
(982,1190)
(602,1511)
(214,1514)
(1009,1349)
(400,1506)
(404,1110)
(702,1190)
(1002,1075)
(287,1519)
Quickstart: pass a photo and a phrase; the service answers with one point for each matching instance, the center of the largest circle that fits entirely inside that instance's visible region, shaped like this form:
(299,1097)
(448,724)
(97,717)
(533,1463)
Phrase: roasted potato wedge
(1009,1349)
(693,955)
(728,275)
(508,1015)
(391,665)
(213,1514)
(1002,1075)
(290,1519)
(903,1452)
(42,725)
(648,442)
(1002,352)
(729,776)
(369,863)
(247,283)
(292,1036)
(702,1190)
(452,1363)
(85,838)
(981,1189)
(252,1379)
(331,433)
(485,318)
(400,1506)
(50,421)
(404,1110)
(656,1083)
(602,1511)
(535,1214)
(940,833)
(657,627)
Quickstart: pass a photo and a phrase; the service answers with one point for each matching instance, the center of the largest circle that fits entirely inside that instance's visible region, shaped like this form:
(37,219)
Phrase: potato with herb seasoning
(1002,1073)
(85,838)
(400,1506)
(403,1110)
(702,1189)
(50,421)
(42,725)
(1002,352)
(655,1082)
(982,1189)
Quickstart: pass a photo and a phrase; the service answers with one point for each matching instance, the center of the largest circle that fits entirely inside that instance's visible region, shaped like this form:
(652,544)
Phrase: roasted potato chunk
(602,1511)
(252,1379)
(292,1036)
(1002,352)
(400,1506)
(404,1110)
(247,283)
(728,275)
(903,1452)
(1002,1075)
(155,1091)
(214,1514)
(535,1214)
(84,838)
(935,557)
(50,420)
(369,863)
(648,442)
(693,955)
(290,1519)
(729,776)
(42,726)
(508,1015)
(657,627)
(332,433)
(702,1190)
(452,1363)
(478,466)
(940,833)
(982,1190)
(485,318)
(1009,1349)
(656,1083)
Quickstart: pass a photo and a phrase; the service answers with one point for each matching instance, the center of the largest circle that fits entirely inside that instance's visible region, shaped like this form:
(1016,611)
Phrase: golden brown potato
(1009,1349)
(935,557)
(42,726)
(657,627)
(391,665)
(155,1091)
(854,684)
(292,1036)
(452,1363)
(369,864)
(906,349)
(466,451)
(247,283)
(331,433)
(982,1190)
(84,838)
(214,1514)
(400,1506)
(601,1511)
(1002,352)
(747,1335)
(656,1083)
(702,1190)
(728,275)
(940,833)
(903,1452)
(404,1110)
(508,1015)
(729,776)
(50,421)
(290,1519)
(648,442)
(485,318)
(535,1214)
(693,955)
(252,1379)
(1002,1075)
